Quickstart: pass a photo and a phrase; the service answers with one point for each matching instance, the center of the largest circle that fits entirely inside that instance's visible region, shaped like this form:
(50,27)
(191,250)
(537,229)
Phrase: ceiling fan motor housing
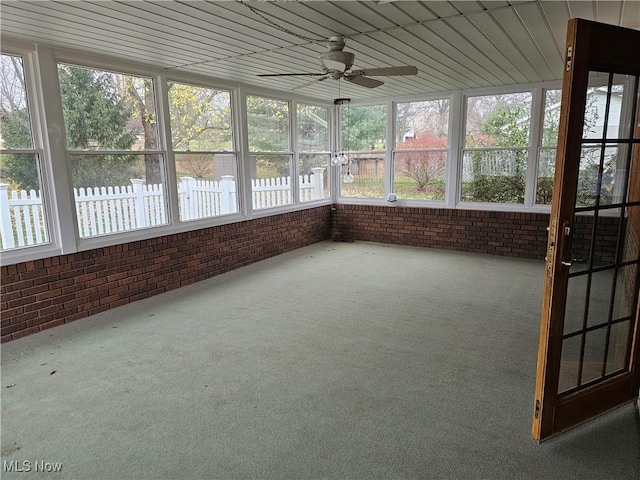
(336,61)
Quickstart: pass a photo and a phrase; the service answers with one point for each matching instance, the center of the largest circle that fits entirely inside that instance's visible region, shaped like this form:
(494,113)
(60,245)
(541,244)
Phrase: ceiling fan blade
(387,71)
(363,81)
(310,83)
(290,74)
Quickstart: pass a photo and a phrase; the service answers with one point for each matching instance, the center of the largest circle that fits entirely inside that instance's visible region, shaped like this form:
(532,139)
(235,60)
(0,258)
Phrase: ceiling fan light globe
(343,159)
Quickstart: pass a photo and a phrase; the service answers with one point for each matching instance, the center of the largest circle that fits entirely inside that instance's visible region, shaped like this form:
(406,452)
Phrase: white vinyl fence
(103,210)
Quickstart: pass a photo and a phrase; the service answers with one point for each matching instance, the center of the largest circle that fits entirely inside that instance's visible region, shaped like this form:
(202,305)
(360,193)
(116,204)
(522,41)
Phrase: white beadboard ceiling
(454,44)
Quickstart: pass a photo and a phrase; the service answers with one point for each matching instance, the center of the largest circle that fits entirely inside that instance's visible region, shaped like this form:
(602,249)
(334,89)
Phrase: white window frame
(327,151)
(388,156)
(410,202)
(36,108)
(293,167)
(172,152)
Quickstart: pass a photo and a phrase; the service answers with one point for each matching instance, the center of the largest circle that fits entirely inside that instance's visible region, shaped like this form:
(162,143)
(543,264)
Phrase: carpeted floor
(346,361)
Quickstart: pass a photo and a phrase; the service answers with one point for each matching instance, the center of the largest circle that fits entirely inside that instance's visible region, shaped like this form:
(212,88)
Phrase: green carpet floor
(346,361)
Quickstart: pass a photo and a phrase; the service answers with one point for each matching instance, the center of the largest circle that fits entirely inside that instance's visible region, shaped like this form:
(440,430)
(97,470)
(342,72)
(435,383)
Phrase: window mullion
(535,140)
(164,137)
(457,122)
(391,145)
(55,171)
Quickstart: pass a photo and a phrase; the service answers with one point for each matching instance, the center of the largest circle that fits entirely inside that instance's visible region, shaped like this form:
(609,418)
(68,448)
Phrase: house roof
(454,44)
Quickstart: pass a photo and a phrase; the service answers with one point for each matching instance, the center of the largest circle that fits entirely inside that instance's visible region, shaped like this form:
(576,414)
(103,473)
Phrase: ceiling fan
(336,63)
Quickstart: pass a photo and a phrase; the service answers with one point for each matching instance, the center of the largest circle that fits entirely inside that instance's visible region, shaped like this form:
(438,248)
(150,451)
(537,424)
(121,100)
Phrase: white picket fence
(103,210)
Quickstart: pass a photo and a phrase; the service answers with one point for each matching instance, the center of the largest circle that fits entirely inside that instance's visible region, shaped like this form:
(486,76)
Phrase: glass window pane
(200,118)
(494,175)
(551,122)
(421,127)
(547,153)
(268,124)
(495,156)
(206,184)
(364,133)
(420,175)
(314,176)
(15,123)
(113,194)
(546,172)
(270,181)
(313,128)
(107,110)
(22,213)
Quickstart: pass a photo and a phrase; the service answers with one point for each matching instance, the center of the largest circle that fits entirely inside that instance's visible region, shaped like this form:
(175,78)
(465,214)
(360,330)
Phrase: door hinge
(537,412)
(569,57)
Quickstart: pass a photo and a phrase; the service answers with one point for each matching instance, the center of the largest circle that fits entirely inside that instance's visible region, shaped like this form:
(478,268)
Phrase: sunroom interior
(156,153)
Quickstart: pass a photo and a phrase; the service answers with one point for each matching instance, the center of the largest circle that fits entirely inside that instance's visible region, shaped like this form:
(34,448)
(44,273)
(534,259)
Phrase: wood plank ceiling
(454,44)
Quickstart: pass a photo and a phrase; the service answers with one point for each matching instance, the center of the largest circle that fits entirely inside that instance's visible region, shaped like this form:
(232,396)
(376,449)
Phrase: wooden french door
(589,355)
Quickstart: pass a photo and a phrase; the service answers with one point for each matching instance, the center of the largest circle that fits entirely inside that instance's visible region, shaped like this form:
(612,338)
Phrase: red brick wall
(498,233)
(41,294)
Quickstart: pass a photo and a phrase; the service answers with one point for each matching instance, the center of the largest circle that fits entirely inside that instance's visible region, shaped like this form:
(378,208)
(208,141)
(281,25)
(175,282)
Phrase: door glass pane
(569,363)
(574,307)
(599,297)
(626,291)
(603,100)
(593,355)
(618,347)
(596,180)
(631,239)
(598,252)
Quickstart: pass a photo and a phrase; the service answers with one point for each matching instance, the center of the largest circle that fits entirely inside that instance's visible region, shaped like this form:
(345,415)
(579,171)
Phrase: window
(420,155)
(117,168)
(206,161)
(313,152)
(271,157)
(364,133)
(494,164)
(23,220)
